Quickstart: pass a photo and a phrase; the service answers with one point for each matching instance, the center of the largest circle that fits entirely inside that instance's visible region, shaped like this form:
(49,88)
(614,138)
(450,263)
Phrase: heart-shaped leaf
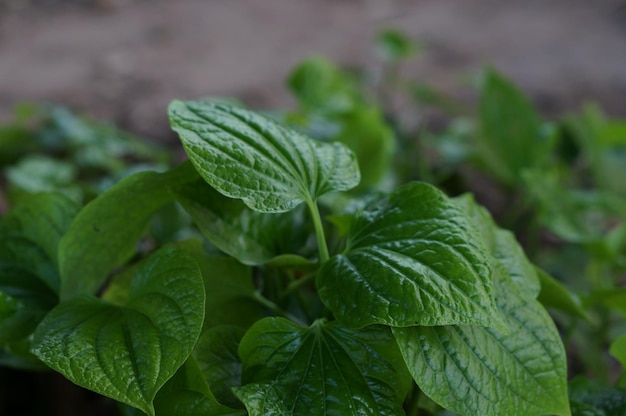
(104,234)
(474,370)
(246,156)
(324,369)
(127,353)
(411,259)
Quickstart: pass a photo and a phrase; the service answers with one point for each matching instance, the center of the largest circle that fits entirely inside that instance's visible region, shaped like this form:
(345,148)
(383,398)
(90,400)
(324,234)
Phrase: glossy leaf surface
(325,369)
(127,353)
(411,259)
(246,156)
(480,371)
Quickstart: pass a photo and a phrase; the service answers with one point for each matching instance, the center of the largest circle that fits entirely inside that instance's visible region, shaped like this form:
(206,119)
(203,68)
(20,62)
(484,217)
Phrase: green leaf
(320,86)
(502,245)
(394,45)
(618,350)
(251,237)
(612,298)
(39,173)
(41,218)
(229,288)
(105,232)
(127,353)
(411,259)
(481,371)
(555,295)
(27,281)
(187,394)
(511,139)
(263,400)
(365,132)
(17,355)
(216,354)
(246,156)
(323,369)
(596,398)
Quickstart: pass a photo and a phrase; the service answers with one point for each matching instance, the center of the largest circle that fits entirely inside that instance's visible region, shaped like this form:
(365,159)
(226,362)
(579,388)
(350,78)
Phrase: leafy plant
(295,297)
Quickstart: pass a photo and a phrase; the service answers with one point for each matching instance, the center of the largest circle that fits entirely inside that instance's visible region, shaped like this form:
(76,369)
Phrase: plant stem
(319,231)
(257,296)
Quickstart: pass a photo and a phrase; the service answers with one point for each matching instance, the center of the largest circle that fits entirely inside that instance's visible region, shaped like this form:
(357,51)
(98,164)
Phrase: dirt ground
(126,59)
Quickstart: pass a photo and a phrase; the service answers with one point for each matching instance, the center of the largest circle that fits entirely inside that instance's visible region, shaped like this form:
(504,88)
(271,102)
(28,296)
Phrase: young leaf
(127,353)
(104,234)
(411,259)
(216,354)
(187,394)
(480,371)
(251,237)
(246,156)
(323,369)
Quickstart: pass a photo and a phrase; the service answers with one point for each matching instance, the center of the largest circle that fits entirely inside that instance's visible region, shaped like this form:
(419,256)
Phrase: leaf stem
(319,231)
(257,296)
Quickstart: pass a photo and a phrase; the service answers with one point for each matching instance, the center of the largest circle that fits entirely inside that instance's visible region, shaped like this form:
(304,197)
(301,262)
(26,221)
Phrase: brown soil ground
(124,60)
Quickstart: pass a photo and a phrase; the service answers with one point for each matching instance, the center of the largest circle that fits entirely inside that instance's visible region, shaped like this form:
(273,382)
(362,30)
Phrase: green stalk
(319,231)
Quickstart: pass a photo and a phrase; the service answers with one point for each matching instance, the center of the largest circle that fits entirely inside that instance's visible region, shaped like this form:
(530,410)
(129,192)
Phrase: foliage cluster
(308,262)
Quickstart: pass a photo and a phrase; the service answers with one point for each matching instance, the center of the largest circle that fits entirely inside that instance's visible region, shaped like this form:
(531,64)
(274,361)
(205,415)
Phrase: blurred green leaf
(322,87)
(555,295)
(394,45)
(512,138)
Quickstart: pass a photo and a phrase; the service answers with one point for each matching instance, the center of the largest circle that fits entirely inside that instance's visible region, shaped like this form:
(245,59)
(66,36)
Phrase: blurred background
(124,60)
